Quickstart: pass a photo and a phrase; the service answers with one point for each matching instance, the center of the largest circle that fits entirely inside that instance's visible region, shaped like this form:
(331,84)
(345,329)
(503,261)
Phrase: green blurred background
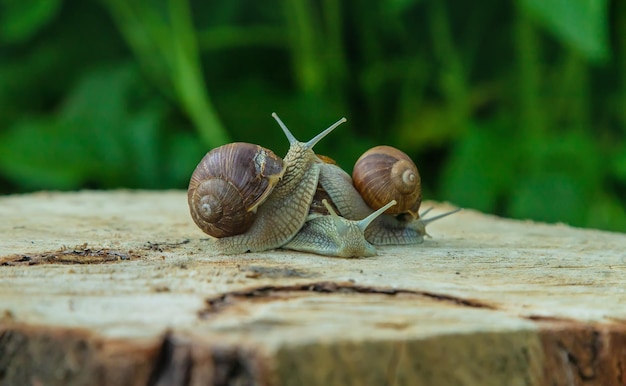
(516,108)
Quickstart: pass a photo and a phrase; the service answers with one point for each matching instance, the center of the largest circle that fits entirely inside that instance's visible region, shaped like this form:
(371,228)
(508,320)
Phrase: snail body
(283,210)
(332,235)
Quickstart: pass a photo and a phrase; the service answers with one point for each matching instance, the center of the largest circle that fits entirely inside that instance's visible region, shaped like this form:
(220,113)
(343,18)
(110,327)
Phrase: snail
(332,235)
(276,194)
(380,175)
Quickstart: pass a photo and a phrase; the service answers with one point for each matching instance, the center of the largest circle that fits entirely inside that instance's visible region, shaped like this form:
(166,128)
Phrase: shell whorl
(229,184)
(383,174)
(217,208)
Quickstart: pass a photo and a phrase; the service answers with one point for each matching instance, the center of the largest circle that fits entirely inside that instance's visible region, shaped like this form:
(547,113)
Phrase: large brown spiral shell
(384,173)
(228,184)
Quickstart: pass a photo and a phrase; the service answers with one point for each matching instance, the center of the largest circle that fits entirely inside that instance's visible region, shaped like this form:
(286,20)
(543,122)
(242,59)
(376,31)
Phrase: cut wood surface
(121,288)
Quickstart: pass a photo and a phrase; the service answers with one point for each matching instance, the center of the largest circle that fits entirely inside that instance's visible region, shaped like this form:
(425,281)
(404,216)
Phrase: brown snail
(380,174)
(281,201)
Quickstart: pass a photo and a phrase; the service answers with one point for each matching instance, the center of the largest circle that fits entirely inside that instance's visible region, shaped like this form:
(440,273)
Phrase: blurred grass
(516,108)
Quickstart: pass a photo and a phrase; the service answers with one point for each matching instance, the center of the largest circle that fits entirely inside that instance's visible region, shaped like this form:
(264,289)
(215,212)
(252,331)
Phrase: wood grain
(118,287)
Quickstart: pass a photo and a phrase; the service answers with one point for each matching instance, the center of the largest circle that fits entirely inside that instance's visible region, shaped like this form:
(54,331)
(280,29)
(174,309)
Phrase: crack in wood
(218,303)
(161,247)
(567,369)
(83,254)
(257,271)
(549,319)
(585,373)
(394,363)
(34,355)
(172,365)
(38,355)
(590,352)
(80,254)
(586,368)
(181,361)
(584,353)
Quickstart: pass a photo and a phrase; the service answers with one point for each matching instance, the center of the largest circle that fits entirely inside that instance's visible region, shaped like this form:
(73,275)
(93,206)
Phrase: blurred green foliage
(516,108)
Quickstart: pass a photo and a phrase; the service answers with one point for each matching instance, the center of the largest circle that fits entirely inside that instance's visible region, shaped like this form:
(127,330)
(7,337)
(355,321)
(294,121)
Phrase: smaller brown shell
(317,206)
(326,159)
(383,174)
(228,185)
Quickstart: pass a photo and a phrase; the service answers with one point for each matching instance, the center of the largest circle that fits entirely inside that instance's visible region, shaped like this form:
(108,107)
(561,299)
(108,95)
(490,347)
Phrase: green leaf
(581,24)
(480,169)
(184,152)
(550,197)
(619,163)
(19,20)
(141,140)
(560,153)
(429,124)
(398,7)
(96,112)
(606,212)
(556,184)
(38,154)
(99,136)
(123,136)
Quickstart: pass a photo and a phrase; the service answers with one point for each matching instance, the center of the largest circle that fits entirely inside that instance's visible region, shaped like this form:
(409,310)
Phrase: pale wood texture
(119,288)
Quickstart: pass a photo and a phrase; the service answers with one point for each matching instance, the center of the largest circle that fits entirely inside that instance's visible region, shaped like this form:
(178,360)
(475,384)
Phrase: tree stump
(120,288)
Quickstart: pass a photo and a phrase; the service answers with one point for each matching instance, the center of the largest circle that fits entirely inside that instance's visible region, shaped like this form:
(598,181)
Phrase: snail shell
(318,207)
(383,174)
(229,184)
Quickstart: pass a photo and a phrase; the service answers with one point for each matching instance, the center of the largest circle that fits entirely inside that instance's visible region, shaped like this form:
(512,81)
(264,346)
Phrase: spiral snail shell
(383,174)
(228,185)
